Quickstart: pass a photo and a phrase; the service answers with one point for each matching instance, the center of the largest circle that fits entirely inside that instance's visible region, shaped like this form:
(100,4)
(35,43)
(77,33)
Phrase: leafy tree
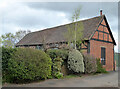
(8,40)
(20,34)
(74,33)
(0,41)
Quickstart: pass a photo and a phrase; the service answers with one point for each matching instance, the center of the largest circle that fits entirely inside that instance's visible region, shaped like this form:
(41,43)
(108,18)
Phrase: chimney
(100,12)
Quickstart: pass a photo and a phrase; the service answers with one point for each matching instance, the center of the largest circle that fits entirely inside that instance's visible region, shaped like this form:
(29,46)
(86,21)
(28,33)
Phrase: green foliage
(100,69)
(0,42)
(0,65)
(71,76)
(28,65)
(73,35)
(8,40)
(75,61)
(58,75)
(75,30)
(57,62)
(90,63)
(6,55)
(54,53)
(20,34)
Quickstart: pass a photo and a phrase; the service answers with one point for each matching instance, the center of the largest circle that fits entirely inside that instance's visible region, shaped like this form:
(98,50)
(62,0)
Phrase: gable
(103,32)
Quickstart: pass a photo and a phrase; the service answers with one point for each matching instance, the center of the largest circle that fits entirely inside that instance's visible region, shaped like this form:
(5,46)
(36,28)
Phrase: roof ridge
(67,24)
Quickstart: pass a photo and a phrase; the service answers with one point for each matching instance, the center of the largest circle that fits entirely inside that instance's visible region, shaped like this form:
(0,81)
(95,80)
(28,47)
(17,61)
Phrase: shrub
(57,62)
(75,61)
(90,63)
(28,65)
(54,53)
(100,69)
(6,55)
(58,75)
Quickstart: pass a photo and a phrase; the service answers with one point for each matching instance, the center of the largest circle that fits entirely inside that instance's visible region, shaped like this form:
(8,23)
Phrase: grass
(71,76)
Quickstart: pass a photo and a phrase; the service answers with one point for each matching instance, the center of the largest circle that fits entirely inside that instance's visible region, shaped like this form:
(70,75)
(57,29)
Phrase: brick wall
(95,49)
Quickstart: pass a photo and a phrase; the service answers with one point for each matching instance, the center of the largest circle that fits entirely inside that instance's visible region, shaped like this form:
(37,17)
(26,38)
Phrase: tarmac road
(100,80)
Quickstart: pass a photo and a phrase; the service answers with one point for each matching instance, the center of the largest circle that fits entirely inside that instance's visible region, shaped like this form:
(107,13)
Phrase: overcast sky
(36,16)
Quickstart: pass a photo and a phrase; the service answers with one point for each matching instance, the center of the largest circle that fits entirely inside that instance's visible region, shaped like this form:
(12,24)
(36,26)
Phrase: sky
(36,16)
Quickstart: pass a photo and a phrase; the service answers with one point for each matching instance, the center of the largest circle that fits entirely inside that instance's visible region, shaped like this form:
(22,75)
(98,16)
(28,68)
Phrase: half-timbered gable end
(102,33)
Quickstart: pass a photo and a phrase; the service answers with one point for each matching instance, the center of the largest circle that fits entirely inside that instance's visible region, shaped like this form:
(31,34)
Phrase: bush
(58,75)
(6,55)
(54,53)
(28,65)
(100,69)
(57,62)
(75,61)
(90,63)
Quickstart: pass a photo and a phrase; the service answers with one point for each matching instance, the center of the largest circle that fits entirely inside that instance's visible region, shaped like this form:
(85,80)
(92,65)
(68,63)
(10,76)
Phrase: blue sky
(36,16)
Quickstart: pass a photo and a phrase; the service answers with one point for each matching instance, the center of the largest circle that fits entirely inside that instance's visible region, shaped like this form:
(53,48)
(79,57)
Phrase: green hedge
(6,55)
(28,65)
(54,53)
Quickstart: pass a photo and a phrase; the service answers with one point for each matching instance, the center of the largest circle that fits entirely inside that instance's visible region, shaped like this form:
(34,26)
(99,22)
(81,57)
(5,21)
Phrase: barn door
(103,55)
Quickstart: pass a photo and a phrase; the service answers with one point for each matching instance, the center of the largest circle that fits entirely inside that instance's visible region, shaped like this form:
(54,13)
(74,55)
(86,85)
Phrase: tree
(0,41)
(74,33)
(8,40)
(44,37)
(20,34)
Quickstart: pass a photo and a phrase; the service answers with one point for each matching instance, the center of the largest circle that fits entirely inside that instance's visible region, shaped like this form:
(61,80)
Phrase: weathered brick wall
(95,49)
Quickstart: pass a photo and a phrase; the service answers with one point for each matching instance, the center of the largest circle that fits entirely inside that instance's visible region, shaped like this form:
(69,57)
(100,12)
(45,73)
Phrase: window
(56,45)
(39,47)
(88,47)
(52,45)
(55,48)
(103,54)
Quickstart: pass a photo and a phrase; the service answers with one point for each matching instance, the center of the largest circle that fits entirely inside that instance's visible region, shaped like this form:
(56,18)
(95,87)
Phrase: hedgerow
(54,53)
(28,64)
(6,55)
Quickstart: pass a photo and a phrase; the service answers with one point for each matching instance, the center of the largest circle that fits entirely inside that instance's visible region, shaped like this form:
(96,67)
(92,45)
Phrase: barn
(98,39)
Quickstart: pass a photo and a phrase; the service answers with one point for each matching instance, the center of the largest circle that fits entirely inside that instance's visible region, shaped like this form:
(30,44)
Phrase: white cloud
(23,17)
